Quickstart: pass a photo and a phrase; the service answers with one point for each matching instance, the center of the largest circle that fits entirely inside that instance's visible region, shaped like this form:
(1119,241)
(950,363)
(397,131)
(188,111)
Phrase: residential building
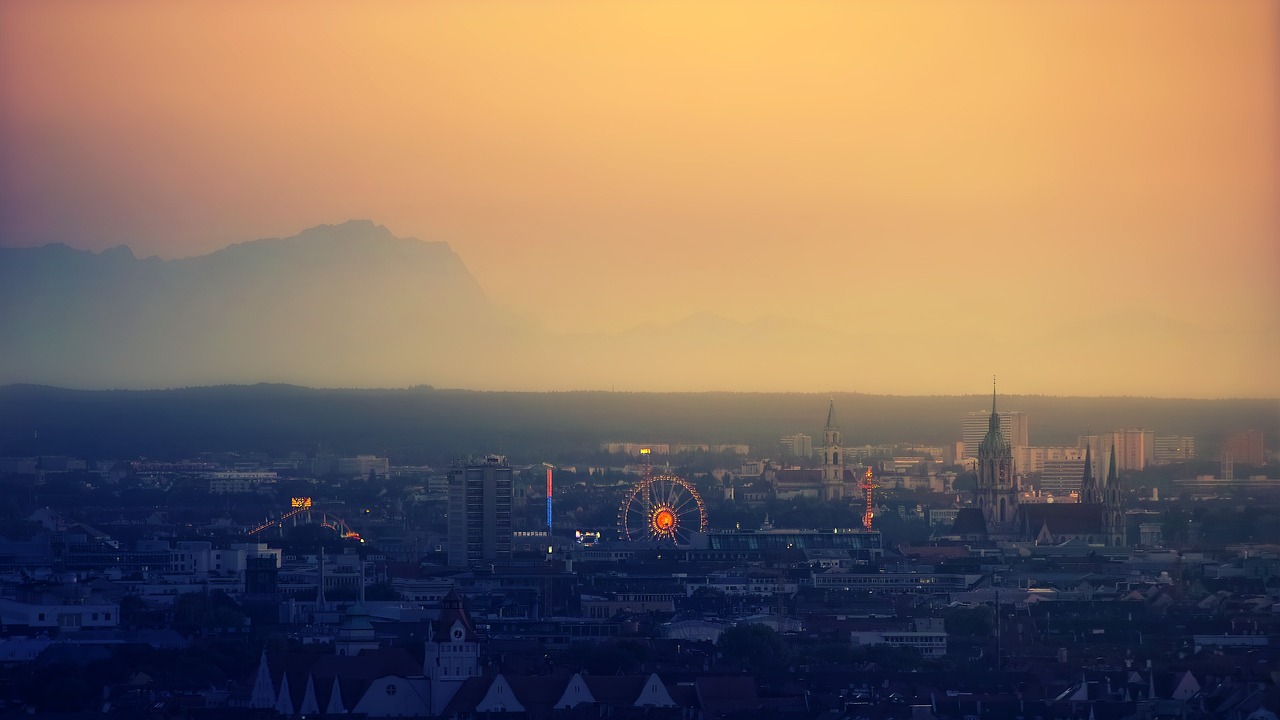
(1062,477)
(974,426)
(798,445)
(480,512)
(361,465)
(634,448)
(924,634)
(1134,449)
(1173,449)
(1028,459)
(1246,448)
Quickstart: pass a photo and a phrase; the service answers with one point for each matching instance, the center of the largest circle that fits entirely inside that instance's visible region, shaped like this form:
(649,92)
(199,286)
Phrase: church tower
(997,489)
(832,458)
(1113,521)
(1089,490)
(452,652)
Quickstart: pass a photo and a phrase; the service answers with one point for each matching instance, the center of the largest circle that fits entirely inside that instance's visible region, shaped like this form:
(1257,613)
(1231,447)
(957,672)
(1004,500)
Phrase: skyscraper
(480,512)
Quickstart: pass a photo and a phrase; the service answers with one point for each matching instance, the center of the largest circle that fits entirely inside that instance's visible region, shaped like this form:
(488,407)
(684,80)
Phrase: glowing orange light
(664,520)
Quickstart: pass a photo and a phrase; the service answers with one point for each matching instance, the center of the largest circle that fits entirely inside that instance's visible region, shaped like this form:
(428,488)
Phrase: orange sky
(947,170)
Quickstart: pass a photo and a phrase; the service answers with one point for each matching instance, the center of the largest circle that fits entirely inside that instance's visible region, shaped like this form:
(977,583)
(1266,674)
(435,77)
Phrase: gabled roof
(616,689)
(574,692)
(969,521)
(537,692)
(468,696)
(500,697)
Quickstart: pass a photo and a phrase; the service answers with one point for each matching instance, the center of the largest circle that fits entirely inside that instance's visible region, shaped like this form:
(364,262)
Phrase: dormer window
(457,633)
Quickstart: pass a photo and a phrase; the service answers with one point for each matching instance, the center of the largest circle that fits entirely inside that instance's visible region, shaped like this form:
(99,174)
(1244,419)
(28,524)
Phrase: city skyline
(1078,197)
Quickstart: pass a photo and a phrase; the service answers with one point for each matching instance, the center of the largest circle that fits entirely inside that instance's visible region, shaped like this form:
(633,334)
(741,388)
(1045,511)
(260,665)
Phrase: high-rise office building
(480,512)
(974,426)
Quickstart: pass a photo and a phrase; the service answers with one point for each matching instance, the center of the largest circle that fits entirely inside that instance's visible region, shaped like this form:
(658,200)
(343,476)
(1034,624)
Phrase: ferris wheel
(662,507)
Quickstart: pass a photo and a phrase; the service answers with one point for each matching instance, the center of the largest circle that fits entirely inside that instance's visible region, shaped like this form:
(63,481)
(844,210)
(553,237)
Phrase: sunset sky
(1042,172)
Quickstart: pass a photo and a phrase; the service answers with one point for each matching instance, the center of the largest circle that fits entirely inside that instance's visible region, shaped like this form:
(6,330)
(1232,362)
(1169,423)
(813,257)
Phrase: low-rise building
(926,635)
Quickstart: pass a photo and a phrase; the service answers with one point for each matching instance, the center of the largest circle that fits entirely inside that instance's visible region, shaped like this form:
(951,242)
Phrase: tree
(752,645)
(969,622)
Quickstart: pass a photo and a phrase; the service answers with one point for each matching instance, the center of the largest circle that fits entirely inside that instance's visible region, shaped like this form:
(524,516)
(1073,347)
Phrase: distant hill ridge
(423,424)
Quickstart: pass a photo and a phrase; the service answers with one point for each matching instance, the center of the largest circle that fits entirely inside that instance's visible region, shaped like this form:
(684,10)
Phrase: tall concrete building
(1028,460)
(1173,449)
(974,426)
(1062,477)
(480,512)
(1246,448)
(798,445)
(1134,450)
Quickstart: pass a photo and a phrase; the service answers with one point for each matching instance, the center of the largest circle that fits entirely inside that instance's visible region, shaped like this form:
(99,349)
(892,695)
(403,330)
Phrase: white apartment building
(926,635)
(973,427)
(1135,449)
(65,616)
(1030,459)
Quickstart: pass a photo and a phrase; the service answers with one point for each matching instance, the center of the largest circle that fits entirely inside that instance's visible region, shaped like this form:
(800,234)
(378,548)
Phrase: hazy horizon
(890,199)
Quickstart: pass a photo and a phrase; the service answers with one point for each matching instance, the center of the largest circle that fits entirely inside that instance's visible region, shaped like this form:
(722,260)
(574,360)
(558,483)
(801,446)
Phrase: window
(392,689)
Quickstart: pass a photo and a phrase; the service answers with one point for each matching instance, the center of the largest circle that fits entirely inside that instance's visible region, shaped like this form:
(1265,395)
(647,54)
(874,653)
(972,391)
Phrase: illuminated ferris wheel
(662,507)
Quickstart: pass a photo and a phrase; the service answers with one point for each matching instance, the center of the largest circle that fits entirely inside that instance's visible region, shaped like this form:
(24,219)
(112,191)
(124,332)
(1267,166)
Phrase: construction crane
(868,483)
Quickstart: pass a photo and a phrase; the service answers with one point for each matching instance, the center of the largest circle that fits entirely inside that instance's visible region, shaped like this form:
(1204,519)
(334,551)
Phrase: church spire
(831,415)
(1088,484)
(994,425)
(1112,476)
(995,442)
(997,488)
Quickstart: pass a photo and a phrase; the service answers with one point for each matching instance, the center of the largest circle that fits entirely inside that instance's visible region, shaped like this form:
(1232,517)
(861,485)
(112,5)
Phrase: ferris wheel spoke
(685,503)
